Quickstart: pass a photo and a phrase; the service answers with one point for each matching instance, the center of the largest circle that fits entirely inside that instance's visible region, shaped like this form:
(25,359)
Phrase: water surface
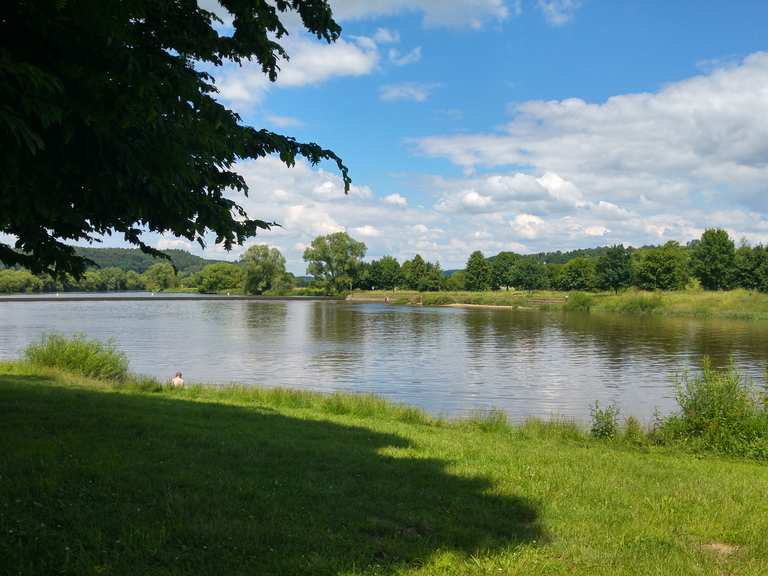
(450,361)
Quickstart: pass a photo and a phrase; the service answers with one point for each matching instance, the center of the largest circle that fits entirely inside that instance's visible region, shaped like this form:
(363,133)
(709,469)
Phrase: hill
(134,259)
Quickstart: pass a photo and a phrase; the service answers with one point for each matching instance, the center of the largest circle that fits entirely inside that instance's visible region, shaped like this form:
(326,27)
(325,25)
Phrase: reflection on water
(447,360)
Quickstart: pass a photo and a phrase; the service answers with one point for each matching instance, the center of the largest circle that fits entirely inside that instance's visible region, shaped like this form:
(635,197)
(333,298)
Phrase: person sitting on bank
(177,381)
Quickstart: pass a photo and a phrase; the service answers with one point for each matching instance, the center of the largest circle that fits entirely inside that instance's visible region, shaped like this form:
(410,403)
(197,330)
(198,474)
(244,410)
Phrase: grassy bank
(732,304)
(101,477)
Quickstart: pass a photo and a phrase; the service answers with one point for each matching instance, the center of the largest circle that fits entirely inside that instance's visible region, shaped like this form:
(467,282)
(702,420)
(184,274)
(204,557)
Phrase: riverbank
(105,478)
(733,304)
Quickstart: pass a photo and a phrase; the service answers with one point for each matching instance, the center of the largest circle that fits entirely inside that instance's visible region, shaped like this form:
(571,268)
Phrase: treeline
(335,264)
(713,262)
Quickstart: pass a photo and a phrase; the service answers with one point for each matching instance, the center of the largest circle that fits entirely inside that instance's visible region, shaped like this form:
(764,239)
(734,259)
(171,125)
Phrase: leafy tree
(385,273)
(112,278)
(714,260)
(108,121)
(662,268)
(413,272)
(457,281)
(577,274)
(13,281)
(531,274)
(91,281)
(335,260)
(478,272)
(264,269)
(220,278)
(433,279)
(613,270)
(134,281)
(159,276)
(752,267)
(503,270)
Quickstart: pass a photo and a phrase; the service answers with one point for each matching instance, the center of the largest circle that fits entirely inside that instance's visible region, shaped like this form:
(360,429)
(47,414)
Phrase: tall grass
(721,411)
(78,354)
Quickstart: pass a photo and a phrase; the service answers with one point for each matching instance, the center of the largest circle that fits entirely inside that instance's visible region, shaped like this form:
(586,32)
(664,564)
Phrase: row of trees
(713,260)
(335,262)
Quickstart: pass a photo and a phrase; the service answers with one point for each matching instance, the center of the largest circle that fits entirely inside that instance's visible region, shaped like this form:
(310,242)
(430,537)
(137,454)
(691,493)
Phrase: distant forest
(134,259)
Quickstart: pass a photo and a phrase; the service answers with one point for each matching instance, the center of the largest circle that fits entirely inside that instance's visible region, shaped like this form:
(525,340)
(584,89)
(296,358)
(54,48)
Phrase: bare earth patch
(721,548)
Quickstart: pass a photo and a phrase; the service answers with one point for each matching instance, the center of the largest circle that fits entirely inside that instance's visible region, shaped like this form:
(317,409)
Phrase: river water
(449,361)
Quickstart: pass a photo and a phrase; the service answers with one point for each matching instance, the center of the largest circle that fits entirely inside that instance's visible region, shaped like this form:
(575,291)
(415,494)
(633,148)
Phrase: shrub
(633,431)
(605,422)
(721,411)
(78,354)
(580,302)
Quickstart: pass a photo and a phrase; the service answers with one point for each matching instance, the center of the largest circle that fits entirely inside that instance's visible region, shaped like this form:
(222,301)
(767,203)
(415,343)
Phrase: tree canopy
(335,259)
(109,122)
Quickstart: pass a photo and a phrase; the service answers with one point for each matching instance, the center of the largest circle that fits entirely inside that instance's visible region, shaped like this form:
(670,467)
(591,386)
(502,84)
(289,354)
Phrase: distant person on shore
(177,381)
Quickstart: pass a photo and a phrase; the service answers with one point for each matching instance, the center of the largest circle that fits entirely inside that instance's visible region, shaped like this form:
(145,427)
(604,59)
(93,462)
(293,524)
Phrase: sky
(523,125)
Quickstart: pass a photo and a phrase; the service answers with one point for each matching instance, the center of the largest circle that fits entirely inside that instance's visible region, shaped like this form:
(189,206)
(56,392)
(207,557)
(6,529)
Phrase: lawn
(101,479)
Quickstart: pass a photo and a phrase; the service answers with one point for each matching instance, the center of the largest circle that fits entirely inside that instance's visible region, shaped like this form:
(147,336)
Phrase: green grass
(78,354)
(103,478)
(732,304)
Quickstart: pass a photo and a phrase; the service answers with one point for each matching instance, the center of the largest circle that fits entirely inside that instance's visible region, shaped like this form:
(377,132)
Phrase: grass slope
(96,479)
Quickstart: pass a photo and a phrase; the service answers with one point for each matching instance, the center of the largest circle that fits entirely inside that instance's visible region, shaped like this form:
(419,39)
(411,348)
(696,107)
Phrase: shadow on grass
(106,483)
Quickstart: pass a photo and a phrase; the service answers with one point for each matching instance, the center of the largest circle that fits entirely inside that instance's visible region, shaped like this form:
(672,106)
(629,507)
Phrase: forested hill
(134,259)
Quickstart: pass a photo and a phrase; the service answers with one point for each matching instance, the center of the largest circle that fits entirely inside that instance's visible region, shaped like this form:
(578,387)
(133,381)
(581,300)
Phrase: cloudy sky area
(521,125)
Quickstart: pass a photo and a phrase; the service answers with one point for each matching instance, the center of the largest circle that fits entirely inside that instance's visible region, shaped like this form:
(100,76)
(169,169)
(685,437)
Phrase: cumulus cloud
(386,36)
(558,12)
(173,244)
(395,200)
(700,142)
(311,63)
(367,231)
(408,91)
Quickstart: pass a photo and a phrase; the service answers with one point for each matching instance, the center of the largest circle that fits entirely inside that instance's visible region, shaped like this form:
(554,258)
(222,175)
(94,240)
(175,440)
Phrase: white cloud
(399,59)
(367,231)
(454,13)
(172,244)
(596,230)
(311,62)
(395,200)
(284,121)
(558,12)
(386,36)
(527,225)
(695,142)
(411,91)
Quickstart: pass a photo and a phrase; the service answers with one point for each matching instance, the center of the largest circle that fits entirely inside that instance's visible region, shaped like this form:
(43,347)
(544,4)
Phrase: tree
(714,260)
(613,271)
(112,278)
(531,274)
(334,259)
(134,281)
(503,269)
(159,276)
(220,277)
(413,272)
(662,268)
(433,279)
(264,269)
(577,274)
(457,281)
(385,273)
(478,272)
(108,121)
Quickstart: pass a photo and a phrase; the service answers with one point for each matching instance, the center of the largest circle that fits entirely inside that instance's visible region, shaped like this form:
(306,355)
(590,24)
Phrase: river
(449,361)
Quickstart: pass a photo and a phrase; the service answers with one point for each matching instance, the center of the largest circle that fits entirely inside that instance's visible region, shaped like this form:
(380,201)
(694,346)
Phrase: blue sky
(515,125)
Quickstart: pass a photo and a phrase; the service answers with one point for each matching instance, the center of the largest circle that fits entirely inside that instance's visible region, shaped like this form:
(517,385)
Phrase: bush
(605,423)
(579,302)
(721,411)
(78,354)
(633,431)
